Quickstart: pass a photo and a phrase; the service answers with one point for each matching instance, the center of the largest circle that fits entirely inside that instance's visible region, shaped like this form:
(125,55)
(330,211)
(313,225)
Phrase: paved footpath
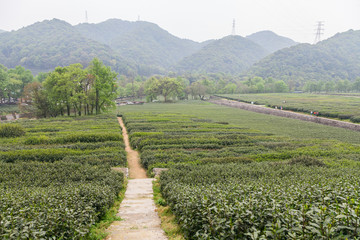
(140,220)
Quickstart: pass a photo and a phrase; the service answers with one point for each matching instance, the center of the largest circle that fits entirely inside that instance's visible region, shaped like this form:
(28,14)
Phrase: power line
(319,31)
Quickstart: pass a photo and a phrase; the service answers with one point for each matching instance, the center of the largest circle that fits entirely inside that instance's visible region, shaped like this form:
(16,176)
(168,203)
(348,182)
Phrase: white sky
(198,20)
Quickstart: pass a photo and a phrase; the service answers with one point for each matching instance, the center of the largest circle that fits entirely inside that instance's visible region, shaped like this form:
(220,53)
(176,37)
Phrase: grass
(265,123)
(168,221)
(98,231)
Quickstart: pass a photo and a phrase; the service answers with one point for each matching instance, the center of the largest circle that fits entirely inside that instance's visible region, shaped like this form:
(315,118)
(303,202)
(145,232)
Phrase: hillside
(336,57)
(2,31)
(232,54)
(271,41)
(142,42)
(45,45)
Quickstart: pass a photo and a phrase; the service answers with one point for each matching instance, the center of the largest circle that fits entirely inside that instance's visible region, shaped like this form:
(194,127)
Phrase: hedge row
(264,201)
(54,200)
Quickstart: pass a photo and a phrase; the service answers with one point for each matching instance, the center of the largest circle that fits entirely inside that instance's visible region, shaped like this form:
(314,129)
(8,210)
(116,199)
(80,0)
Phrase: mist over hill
(142,42)
(144,48)
(231,54)
(2,31)
(335,58)
(271,41)
(51,43)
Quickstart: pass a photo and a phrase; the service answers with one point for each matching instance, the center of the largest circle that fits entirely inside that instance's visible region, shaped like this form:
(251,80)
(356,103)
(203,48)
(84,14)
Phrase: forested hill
(142,42)
(51,43)
(232,54)
(271,41)
(336,57)
(2,31)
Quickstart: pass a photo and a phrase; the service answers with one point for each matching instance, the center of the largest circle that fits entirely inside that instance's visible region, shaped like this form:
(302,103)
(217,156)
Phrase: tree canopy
(73,89)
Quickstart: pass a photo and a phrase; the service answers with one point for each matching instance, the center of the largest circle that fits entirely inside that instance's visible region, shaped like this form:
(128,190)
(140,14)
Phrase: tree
(230,88)
(169,86)
(3,82)
(198,89)
(23,75)
(151,88)
(280,86)
(104,84)
(164,86)
(356,85)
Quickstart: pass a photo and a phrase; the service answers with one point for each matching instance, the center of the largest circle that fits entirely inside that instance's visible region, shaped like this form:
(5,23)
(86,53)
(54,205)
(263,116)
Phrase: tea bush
(230,182)
(54,200)
(11,130)
(263,201)
(56,182)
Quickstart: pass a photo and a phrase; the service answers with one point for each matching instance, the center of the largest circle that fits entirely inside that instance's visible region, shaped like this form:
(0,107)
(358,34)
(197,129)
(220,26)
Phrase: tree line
(73,90)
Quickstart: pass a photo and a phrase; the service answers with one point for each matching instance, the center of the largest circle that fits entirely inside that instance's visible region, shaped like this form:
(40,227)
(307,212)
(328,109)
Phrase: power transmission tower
(319,31)
(86,17)
(233,28)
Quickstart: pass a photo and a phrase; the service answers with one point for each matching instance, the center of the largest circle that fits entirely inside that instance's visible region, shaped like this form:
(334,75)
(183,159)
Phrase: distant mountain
(45,45)
(336,57)
(2,31)
(271,41)
(232,54)
(142,42)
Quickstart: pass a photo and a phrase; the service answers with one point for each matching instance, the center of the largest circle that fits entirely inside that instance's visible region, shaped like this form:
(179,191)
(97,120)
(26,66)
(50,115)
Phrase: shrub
(307,161)
(11,130)
(34,140)
(355,119)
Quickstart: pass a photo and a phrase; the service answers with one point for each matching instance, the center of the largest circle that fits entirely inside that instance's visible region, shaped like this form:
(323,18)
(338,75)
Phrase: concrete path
(138,211)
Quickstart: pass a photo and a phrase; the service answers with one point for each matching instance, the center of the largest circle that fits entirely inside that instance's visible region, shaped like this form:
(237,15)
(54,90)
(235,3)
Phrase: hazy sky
(197,20)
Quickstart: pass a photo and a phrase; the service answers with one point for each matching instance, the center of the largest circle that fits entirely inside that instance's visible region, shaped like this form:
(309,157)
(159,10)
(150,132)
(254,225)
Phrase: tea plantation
(229,181)
(55,176)
(334,106)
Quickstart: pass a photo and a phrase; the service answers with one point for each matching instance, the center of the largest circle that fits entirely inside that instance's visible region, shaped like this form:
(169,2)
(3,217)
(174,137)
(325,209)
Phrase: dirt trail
(137,211)
(135,169)
(288,114)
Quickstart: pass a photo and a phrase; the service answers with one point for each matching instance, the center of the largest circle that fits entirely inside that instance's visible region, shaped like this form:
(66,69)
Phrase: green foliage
(355,119)
(232,54)
(151,47)
(305,62)
(62,184)
(59,200)
(11,130)
(12,82)
(226,181)
(6,109)
(271,41)
(235,201)
(333,106)
(163,86)
(45,45)
(73,89)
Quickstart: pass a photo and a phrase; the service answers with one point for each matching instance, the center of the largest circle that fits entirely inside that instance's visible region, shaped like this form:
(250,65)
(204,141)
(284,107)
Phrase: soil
(135,169)
(140,220)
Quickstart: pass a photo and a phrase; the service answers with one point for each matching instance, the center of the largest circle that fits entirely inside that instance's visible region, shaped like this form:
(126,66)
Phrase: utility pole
(319,31)
(233,28)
